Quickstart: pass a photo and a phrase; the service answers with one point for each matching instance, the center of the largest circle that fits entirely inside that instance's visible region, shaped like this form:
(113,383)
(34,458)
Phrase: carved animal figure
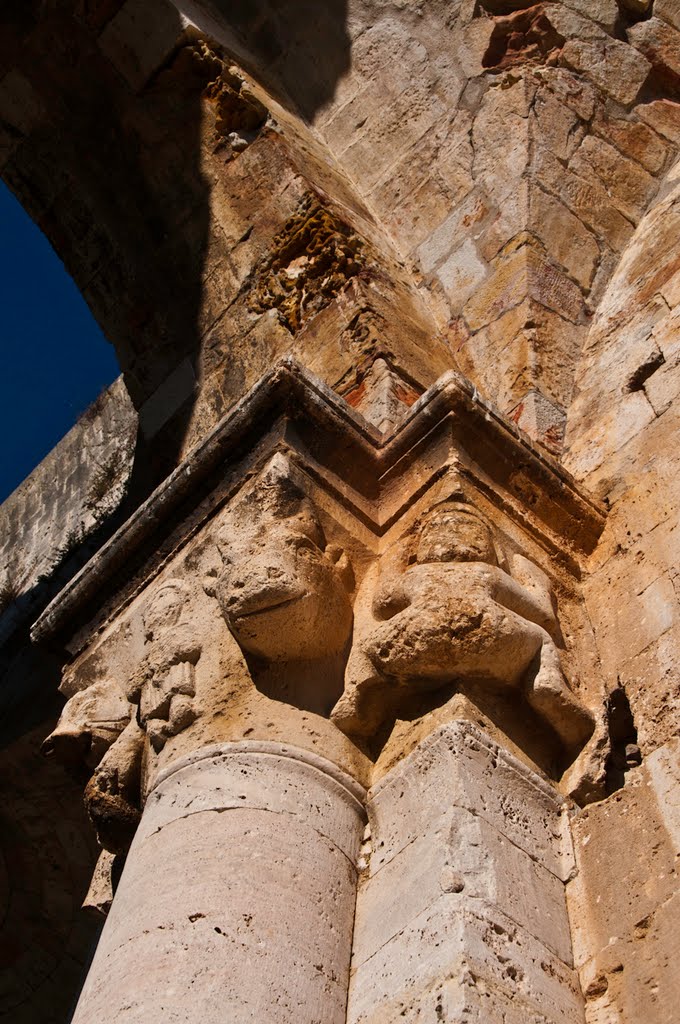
(282,590)
(98,730)
(452,614)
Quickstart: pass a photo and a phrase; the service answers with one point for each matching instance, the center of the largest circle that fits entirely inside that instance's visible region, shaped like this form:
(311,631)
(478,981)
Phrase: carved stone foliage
(447,606)
(311,261)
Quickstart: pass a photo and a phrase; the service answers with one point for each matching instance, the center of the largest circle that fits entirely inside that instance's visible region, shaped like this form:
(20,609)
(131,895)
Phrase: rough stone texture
(263,929)
(624,940)
(75,490)
(466,846)
(385,191)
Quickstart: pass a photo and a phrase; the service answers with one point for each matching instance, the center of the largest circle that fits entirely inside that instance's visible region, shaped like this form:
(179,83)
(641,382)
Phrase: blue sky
(55,358)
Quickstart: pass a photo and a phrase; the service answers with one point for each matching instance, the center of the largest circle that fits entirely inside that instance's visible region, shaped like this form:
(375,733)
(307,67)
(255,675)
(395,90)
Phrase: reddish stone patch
(522,37)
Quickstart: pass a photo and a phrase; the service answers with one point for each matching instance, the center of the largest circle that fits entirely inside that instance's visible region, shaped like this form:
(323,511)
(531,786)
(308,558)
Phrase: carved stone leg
(237,899)
(462,914)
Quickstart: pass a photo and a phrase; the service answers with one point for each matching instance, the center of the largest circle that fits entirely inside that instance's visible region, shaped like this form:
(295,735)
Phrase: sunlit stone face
(282,595)
(453,533)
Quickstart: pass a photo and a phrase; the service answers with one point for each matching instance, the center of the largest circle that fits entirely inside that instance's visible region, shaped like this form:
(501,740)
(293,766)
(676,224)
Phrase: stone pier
(462,914)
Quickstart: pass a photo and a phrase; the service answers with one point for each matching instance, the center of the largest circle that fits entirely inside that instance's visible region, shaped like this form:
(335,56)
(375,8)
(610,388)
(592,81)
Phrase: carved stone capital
(330,586)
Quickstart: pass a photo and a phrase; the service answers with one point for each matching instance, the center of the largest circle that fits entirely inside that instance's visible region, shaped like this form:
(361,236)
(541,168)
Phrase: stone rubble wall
(63,502)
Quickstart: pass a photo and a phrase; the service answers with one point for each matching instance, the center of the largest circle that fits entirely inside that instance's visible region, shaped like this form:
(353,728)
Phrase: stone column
(237,899)
(462,914)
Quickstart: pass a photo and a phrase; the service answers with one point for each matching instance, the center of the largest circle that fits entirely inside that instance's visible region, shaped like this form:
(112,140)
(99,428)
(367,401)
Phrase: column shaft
(237,899)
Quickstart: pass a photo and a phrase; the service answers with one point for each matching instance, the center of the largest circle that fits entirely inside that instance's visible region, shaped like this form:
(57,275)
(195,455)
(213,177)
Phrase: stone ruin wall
(487,187)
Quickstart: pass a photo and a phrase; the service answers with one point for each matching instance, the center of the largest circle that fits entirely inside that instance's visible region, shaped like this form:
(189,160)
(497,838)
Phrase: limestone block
(474,774)
(626,851)
(625,181)
(440,944)
(508,223)
(659,42)
(527,346)
(586,197)
(571,25)
(605,12)
(422,188)
(657,706)
(613,66)
(500,137)
(541,419)
(566,239)
(663,116)
(461,274)
(462,913)
(232,905)
(668,10)
(633,139)
(525,273)
(573,91)
(468,217)
(555,125)
(629,626)
(466,857)
(402,123)
(634,978)
(140,37)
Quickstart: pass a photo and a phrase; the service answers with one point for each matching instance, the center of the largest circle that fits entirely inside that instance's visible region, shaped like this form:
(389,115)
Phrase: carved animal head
(91,721)
(282,590)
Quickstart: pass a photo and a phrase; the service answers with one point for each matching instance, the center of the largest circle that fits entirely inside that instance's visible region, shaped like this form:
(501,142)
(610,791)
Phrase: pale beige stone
(448,890)
(461,274)
(203,925)
(446,607)
(610,64)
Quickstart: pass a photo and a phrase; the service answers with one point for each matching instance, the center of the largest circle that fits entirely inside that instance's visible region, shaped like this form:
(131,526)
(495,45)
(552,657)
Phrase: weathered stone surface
(450,887)
(443,609)
(658,42)
(667,10)
(616,908)
(283,870)
(611,65)
(392,192)
(523,274)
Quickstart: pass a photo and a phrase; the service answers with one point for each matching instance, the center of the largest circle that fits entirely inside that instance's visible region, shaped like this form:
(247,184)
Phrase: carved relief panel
(286,618)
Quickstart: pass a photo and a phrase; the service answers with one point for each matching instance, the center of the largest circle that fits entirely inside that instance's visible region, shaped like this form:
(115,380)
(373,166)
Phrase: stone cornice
(370,472)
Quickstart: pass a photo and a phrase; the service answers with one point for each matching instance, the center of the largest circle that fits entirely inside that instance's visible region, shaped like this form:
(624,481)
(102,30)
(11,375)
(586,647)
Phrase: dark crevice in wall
(625,753)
